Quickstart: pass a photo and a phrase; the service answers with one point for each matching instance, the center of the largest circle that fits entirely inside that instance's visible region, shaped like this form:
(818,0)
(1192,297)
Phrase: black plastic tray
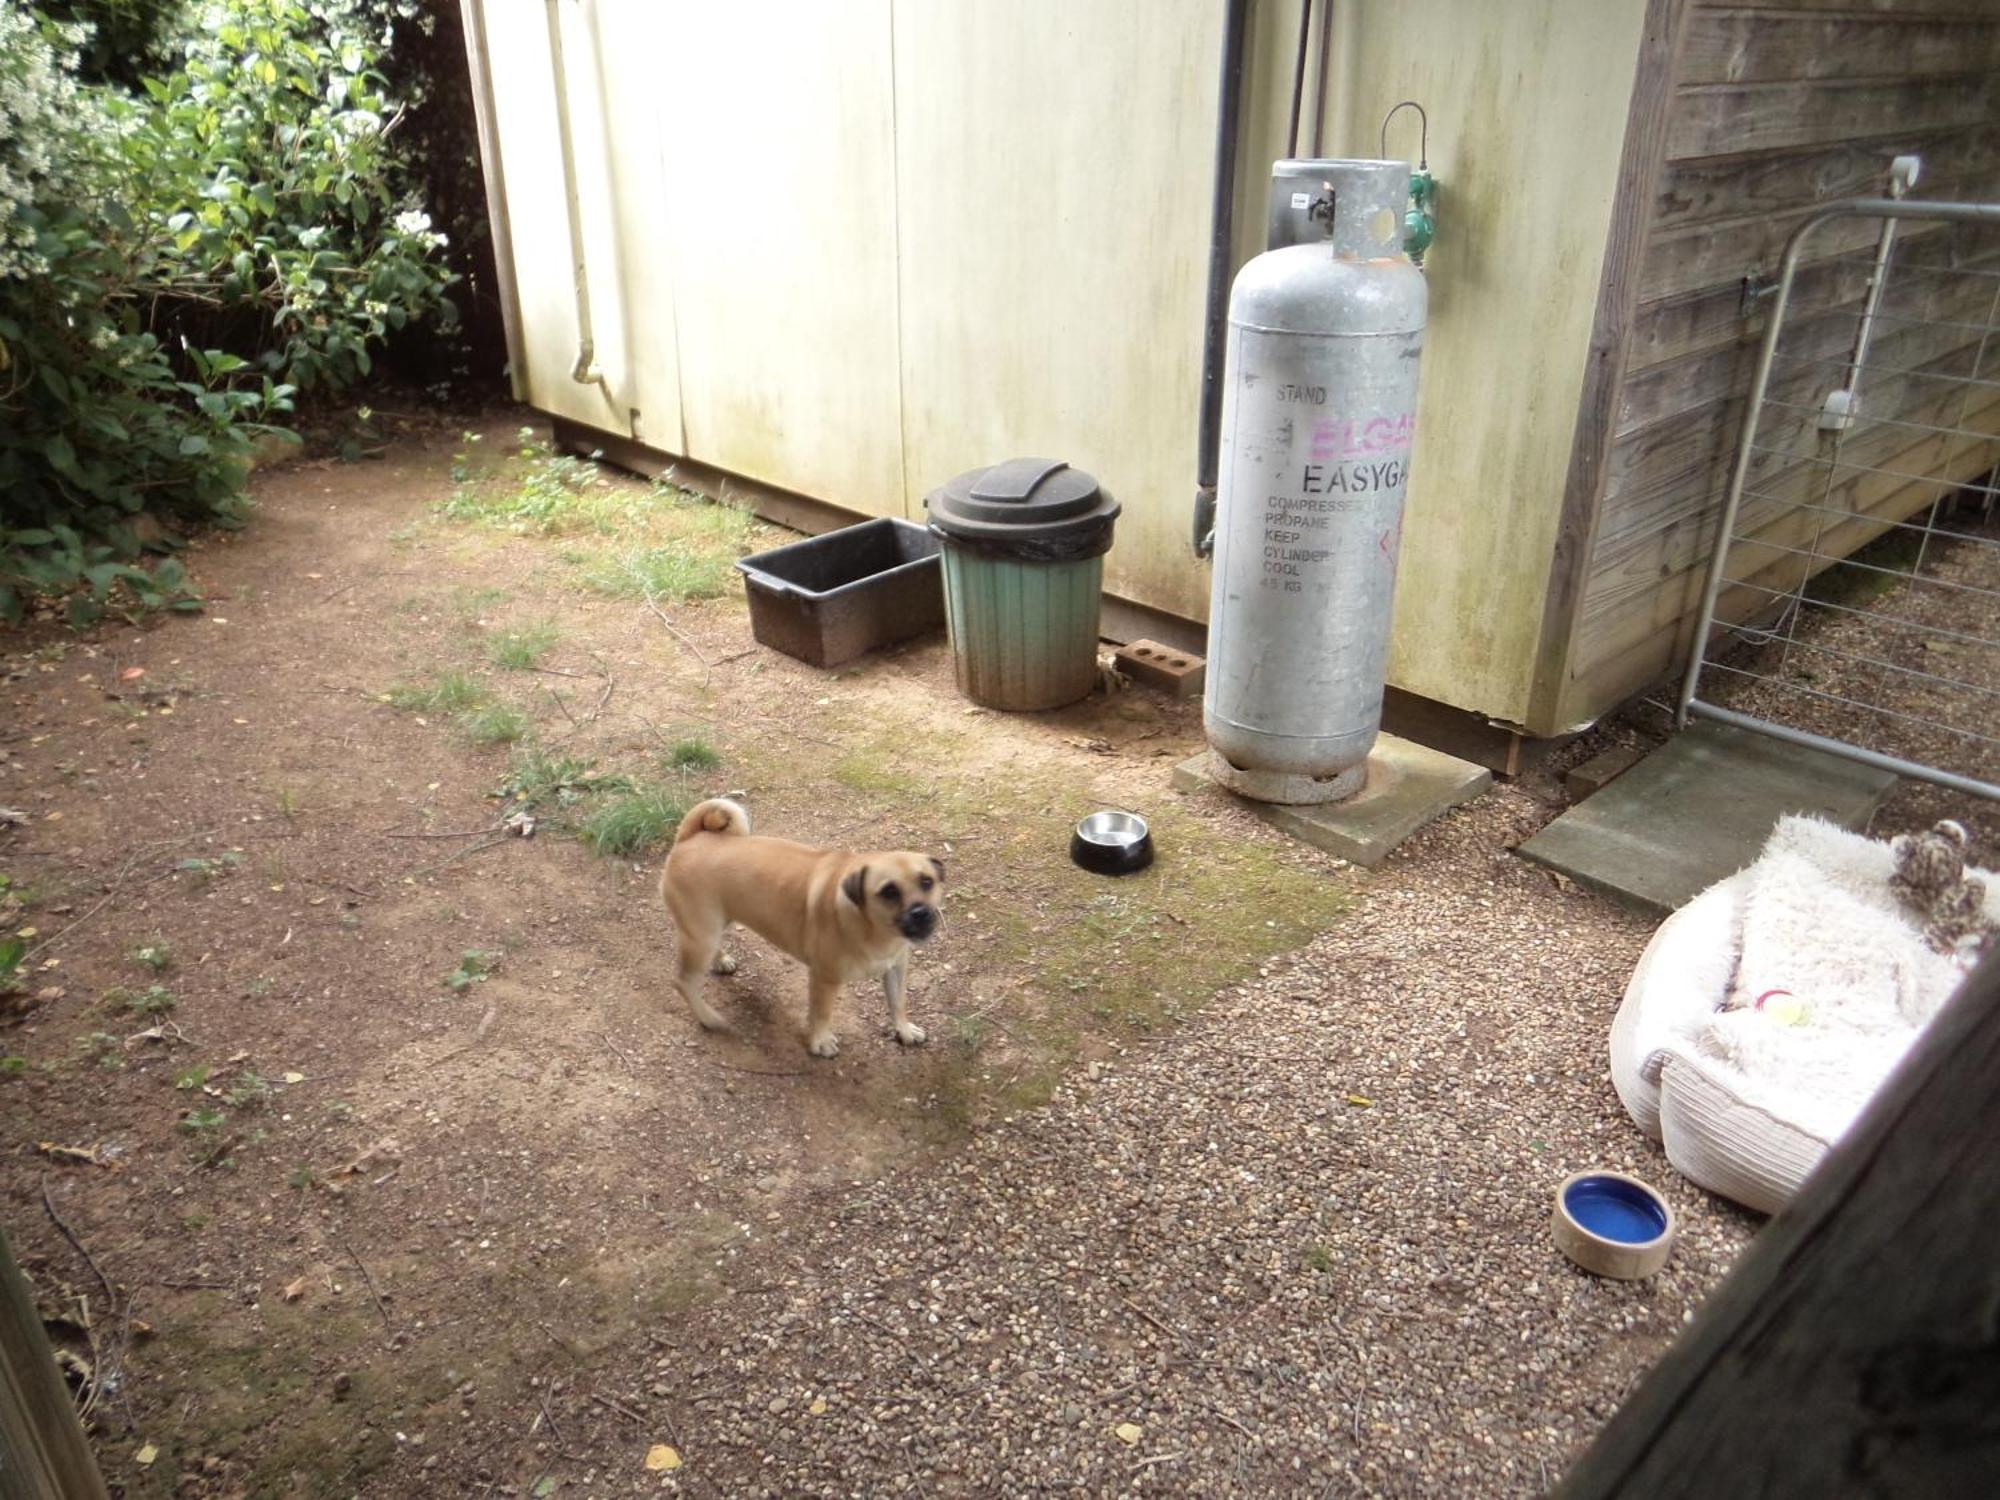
(831,598)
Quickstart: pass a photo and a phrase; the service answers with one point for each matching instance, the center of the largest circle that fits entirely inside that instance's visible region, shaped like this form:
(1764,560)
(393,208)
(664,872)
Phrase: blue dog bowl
(1613,1225)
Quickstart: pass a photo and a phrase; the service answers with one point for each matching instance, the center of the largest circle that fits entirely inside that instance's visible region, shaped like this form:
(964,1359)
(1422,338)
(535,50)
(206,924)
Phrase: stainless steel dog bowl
(1112,843)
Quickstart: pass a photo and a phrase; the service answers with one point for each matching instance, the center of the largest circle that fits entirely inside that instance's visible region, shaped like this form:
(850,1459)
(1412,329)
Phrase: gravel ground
(1887,644)
(1300,1246)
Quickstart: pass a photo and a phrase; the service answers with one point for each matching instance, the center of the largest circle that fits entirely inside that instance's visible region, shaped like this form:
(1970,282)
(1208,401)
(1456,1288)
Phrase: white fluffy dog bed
(1766,1012)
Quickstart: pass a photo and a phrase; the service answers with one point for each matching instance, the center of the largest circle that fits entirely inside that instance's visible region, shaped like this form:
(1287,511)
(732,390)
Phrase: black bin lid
(1024,500)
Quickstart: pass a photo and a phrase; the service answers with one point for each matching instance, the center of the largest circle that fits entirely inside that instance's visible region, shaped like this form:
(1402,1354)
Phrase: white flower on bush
(43,117)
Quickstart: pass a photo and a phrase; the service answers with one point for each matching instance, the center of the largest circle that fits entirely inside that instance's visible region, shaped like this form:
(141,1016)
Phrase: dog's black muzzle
(917,922)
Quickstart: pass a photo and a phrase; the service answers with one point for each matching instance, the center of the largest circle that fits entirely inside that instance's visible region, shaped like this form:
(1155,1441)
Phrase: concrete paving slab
(1408,785)
(1698,809)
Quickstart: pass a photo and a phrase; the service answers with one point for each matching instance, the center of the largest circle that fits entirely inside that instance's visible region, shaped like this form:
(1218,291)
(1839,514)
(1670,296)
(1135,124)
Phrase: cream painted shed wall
(849,250)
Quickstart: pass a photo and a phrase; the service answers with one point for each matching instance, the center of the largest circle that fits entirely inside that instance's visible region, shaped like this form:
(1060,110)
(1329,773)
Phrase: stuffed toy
(1930,881)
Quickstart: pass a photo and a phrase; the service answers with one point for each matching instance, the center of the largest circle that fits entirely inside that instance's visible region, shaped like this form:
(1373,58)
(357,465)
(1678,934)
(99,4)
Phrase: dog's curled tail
(716,815)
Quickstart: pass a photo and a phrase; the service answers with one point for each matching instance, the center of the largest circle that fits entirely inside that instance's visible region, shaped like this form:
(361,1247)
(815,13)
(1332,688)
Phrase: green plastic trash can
(1024,544)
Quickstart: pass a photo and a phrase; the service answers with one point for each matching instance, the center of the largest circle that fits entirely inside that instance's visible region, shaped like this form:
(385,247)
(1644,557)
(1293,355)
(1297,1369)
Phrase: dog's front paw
(826,1044)
(910,1034)
(725,963)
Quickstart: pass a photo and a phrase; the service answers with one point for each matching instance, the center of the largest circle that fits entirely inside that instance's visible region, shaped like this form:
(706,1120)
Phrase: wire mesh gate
(1857,572)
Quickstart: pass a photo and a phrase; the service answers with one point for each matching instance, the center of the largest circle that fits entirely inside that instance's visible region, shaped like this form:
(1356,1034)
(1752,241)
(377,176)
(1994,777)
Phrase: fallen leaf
(296,1290)
(1360,1101)
(145,1456)
(1129,1433)
(662,1457)
(544,1488)
(26,932)
(295,1078)
(818,1408)
(131,674)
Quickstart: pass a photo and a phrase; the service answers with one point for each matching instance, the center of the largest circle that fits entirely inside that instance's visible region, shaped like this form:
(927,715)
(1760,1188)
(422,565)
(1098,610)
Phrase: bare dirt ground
(364,1152)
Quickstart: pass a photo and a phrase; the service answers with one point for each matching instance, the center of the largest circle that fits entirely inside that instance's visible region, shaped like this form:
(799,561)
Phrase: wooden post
(43,1454)
(1855,1349)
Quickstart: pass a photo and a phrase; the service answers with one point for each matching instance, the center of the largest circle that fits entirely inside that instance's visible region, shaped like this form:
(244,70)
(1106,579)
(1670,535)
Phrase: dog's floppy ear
(938,865)
(855,886)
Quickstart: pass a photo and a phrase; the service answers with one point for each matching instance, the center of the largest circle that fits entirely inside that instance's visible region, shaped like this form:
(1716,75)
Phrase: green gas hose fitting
(1420,223)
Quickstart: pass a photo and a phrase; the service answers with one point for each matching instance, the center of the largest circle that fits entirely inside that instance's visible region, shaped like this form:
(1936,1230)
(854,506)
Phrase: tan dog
(844,916)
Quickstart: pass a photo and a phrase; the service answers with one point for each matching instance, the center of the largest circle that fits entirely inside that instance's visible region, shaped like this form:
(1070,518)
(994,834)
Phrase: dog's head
(899,889)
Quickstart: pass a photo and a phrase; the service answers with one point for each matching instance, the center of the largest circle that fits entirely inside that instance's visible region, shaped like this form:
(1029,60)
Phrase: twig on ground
(1171,1332)
(616,1050)
(762,1072)
(563,672)
(723,661)
(78,1245)
(348,589)
(679,635)
(557,699)
(380,1306)
(117,883)
(478,1034)
(603,698)
(1222,1416)
(468,850)
(460,833)
(618,1406)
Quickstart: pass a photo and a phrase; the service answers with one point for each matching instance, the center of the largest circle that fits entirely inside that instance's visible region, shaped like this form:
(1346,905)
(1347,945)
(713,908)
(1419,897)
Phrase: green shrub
(173,264)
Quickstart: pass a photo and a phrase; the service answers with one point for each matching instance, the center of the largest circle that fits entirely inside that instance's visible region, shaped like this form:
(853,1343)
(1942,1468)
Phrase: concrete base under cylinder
(1287,788)
(1406,785)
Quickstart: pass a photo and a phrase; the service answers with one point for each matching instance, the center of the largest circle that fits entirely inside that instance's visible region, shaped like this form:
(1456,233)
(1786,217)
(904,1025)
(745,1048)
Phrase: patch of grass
(863,772)
(474,965)
(671,572)
(103,1049)
(197,1121)
(636,820)
(1318,1258)
(539,779)
(472,603)
(304,1179)
(692,754)
(189,1079)
(13,955)
(153,1000)
(537,492)
(13,1065)
(249,1091)
(452,692)
(523,646)
(209,869)
(493,724)
(156,955)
